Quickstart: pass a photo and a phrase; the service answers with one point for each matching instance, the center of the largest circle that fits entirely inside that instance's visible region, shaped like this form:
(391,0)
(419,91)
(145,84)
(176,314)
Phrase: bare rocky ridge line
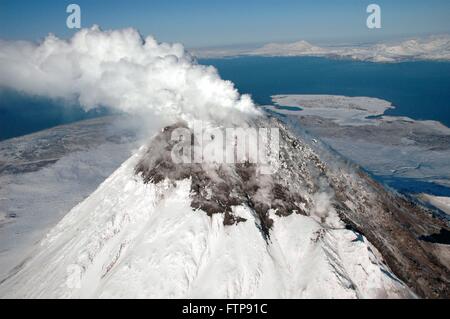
(217,188)
(392,223)
(396,225)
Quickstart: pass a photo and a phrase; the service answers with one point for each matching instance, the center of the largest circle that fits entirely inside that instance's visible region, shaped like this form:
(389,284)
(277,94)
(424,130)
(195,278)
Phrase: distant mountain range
(429,48)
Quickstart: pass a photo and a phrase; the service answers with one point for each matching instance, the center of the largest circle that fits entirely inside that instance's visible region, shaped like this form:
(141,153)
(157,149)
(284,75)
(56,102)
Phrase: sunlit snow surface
(44,175)
(130,239)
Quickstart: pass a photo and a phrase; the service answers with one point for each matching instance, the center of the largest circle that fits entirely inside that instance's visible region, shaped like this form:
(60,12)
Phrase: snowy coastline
(432,48)
(391,147)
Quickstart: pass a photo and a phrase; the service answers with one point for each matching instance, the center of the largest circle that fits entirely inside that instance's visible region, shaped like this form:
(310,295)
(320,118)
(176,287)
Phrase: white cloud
(122,70)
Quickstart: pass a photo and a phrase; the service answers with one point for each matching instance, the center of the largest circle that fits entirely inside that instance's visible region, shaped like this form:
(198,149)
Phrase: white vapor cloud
(122,70)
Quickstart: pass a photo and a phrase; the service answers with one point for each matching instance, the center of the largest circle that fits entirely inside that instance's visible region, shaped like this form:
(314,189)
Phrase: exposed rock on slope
(155,229)
(394,224)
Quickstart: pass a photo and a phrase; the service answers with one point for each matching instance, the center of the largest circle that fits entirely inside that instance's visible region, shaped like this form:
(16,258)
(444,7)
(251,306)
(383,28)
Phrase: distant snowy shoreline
(432,48)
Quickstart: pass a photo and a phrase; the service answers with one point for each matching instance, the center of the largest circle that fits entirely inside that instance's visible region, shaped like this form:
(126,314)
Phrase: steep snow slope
(129,239)
(154,230)
(44,175)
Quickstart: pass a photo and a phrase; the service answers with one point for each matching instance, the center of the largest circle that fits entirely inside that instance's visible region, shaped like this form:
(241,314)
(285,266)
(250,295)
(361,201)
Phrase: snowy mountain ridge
(147,237)
(431,48)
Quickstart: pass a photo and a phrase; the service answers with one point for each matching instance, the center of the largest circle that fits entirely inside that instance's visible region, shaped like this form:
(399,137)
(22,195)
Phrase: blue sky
(228,22)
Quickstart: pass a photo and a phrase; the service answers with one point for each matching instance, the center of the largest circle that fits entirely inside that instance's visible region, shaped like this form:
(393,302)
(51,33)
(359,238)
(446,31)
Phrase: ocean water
(22,114)
(420,90)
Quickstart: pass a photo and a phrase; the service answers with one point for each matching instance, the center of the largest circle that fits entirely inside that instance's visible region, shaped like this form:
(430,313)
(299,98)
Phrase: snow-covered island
(342,109)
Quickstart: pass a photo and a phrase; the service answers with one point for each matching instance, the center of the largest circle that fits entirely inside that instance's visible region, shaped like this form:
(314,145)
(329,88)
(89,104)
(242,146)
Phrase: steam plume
(122,70)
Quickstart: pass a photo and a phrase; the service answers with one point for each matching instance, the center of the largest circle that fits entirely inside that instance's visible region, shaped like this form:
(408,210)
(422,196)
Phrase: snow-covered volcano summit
(317,227)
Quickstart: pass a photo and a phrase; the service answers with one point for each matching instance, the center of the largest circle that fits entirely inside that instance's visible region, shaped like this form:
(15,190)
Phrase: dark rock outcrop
(395,225)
